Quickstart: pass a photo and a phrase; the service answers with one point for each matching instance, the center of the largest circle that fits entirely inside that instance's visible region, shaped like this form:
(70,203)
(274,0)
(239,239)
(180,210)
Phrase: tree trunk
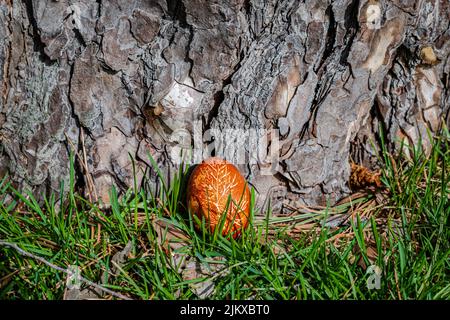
(288,90)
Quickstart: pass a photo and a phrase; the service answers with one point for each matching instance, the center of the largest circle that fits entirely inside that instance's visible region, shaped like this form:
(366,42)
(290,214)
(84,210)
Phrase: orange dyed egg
(217,188)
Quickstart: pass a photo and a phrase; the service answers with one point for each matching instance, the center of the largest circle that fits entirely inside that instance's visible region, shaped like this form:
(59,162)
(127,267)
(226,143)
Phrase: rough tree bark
(127,77)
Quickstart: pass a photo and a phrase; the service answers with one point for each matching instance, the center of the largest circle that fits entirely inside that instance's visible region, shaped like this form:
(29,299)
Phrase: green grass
(403,230)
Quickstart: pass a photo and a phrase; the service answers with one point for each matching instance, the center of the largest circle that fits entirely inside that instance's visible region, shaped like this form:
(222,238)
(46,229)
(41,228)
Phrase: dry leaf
(371,253)
(118,259)
(362,177)
(170,237)
(84,294)
(89,293)
(205,271)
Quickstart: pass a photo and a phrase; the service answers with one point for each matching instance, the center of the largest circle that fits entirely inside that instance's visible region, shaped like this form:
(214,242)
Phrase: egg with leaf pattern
(219,194)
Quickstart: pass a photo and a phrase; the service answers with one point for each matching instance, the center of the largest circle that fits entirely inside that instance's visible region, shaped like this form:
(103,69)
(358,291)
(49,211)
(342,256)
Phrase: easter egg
(219,194)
